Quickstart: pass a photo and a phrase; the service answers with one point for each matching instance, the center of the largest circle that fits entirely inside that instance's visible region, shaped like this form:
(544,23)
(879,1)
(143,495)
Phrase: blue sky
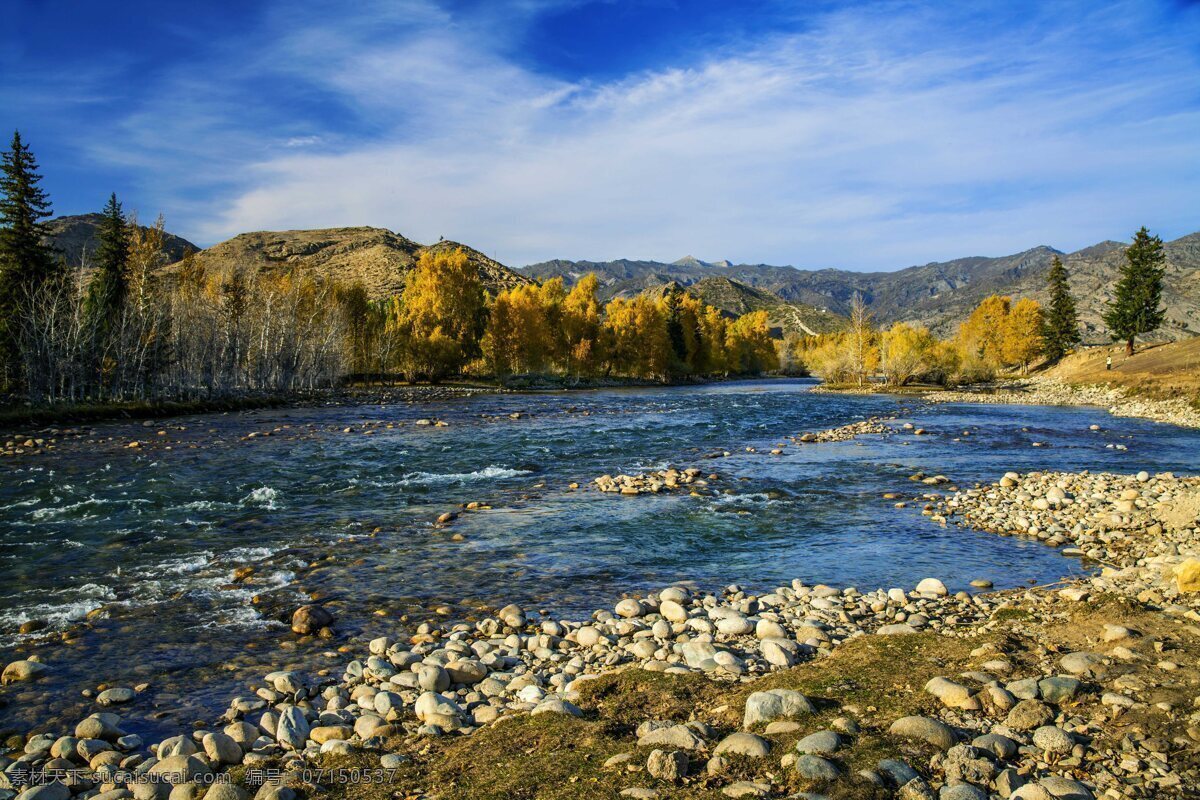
(861,135)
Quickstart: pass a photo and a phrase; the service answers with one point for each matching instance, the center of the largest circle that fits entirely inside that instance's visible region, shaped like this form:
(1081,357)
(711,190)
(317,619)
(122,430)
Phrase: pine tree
(1061,329)
(1134,309)
(26,263)
(110,284)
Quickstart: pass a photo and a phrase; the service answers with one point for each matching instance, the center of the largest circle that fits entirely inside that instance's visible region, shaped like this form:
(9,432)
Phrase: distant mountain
(939,295)
(77,237)
(735,299)
(713,282)
(375,257)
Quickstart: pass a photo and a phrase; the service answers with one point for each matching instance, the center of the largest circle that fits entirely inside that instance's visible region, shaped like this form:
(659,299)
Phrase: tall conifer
(26,262)
(1134,309)
(1061,329)
(110,284)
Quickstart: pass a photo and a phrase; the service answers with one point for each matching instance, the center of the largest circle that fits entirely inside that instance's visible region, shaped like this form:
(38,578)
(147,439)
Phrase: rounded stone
(1053,739)
(925,729)
(932,586)
(819,743)
(744,744)
(20,671)
(815,768)
(775,704)
(630,608)
(1029,714)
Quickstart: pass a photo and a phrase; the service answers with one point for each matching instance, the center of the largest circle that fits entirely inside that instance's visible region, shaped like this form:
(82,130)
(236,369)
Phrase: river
(127,554)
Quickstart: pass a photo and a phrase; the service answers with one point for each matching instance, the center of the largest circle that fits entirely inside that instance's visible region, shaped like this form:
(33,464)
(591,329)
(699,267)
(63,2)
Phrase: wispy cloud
(878,136)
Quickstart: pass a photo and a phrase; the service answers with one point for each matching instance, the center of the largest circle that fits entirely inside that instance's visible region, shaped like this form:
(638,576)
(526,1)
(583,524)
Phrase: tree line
(999,335)
(444,323)
(117,329)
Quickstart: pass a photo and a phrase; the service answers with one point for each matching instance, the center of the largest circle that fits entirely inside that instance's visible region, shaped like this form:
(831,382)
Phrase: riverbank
(15,417)
(1079,690)
(1046,391)
(1120,402)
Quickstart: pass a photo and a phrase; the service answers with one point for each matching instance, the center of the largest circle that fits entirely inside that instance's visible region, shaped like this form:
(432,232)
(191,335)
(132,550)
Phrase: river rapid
(127,556)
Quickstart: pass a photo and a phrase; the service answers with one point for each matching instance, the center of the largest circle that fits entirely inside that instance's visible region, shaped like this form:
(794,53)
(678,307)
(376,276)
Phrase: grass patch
(632,696)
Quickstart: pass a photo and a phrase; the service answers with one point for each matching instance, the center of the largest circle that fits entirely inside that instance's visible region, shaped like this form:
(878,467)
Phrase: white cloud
(871,140)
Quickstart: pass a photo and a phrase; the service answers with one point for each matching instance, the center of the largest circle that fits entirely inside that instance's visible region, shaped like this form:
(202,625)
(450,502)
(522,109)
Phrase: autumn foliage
(443,324)
(998,335)
(543,330)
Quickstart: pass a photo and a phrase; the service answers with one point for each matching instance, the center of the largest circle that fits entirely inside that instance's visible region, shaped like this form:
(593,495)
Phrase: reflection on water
(146,542)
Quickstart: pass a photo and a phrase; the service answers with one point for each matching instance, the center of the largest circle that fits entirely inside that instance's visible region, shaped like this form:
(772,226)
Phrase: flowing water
(127,555)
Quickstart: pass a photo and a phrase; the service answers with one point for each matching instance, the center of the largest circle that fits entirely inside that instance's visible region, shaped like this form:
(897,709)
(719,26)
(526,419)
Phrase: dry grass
(1162,370)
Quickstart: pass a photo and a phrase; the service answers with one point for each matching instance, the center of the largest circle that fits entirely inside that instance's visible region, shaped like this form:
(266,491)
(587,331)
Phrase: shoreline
(15,417)
(1048,392)
(480,679)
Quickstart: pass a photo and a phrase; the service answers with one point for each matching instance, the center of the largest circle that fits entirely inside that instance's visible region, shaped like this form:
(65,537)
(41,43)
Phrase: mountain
(375,257)
(717,283)
(736,298)
(939,295)
(77,237)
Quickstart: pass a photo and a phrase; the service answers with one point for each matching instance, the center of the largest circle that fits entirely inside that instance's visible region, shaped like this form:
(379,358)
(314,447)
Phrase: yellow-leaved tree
(862,340)
(636,333)
(1023,333)
(441,315)
(714,329)
(831,358)
(521,335)
(981,337)
(581,326)
(750,346)
(906,352)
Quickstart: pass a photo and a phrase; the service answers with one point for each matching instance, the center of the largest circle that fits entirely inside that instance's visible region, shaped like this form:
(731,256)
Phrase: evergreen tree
(1135,309)
(25,261)
(674,324)
(110,284)
(1061,329)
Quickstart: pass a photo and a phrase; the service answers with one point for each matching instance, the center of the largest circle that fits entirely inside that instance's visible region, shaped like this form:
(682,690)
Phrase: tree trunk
(1129,346)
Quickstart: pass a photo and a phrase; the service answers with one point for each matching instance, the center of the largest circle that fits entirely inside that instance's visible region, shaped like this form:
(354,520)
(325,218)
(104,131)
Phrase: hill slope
(715,283)
(939,295)
(1162,370)
(375,257)
(736,299)
(77,237)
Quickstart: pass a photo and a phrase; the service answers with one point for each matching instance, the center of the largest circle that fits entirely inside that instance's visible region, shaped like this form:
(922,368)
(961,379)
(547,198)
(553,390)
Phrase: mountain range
(939,295)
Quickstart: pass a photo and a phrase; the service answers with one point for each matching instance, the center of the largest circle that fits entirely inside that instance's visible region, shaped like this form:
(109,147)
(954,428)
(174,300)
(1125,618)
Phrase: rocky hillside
(939,295)
(715,283)
(735,299)
(76,237)
(375,257)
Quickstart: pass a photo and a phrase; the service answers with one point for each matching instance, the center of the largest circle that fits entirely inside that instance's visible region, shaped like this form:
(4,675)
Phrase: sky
(868,136)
